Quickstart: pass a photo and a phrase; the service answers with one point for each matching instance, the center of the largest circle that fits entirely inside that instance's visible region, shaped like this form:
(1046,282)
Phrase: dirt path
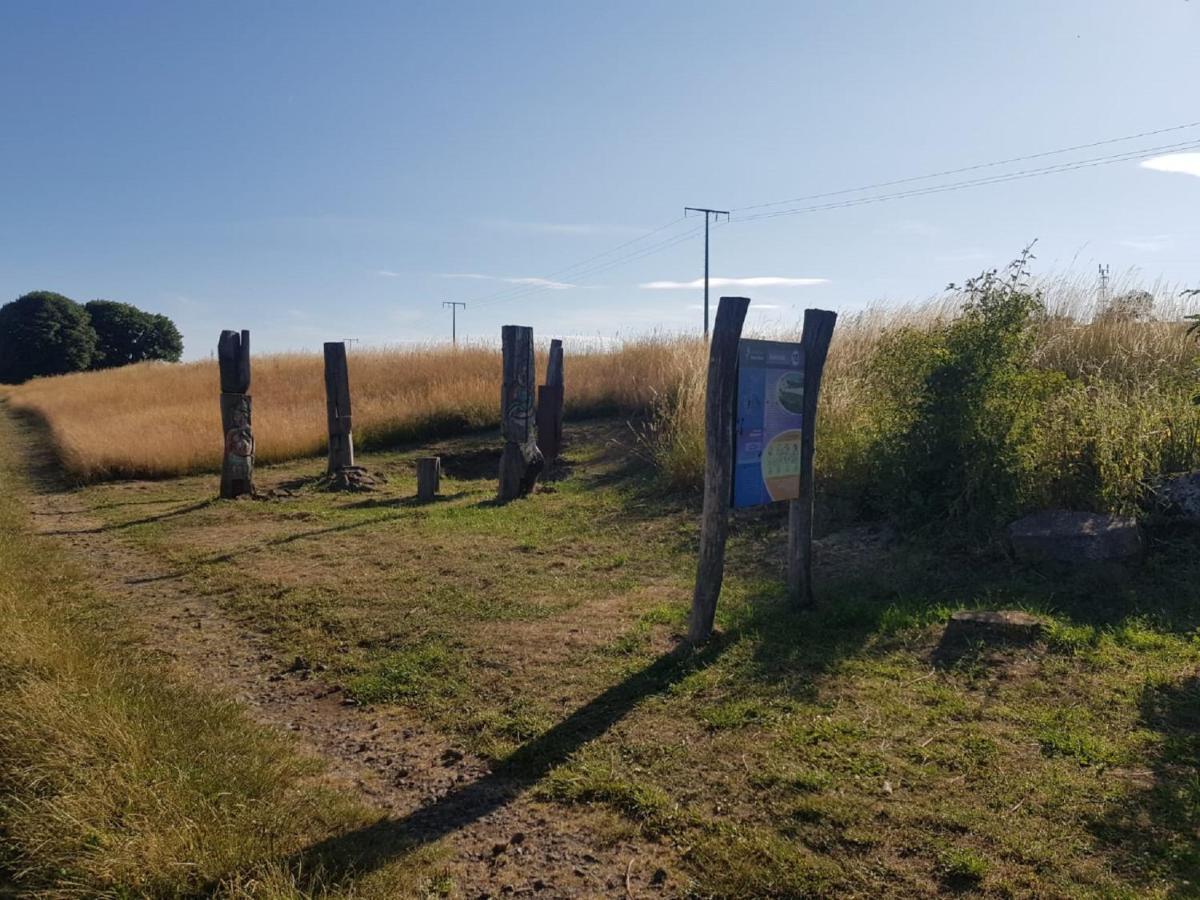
(500,841)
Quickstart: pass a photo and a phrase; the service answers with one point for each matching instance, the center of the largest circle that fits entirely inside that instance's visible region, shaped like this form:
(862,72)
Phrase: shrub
(126,334)
(43,333)
(956,405)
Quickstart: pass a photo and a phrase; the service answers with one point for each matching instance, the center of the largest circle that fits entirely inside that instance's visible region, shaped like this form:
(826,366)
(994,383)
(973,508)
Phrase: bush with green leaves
(955,408)
(126,334)
(44,333)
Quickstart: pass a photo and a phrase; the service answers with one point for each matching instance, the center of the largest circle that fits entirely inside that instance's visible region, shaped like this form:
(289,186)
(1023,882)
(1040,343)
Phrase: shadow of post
(373,846)
(1156,831)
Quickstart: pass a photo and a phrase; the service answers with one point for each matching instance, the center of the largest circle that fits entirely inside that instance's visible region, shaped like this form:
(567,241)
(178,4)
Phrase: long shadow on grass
(1156,832)
(145,520)
(373,846)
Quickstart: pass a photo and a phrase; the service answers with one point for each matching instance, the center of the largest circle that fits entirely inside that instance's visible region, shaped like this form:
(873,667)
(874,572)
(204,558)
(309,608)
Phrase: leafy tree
(126,334)
(43,333)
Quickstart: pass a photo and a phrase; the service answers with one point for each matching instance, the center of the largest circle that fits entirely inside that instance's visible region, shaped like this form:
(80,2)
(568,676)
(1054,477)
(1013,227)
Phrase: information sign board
(768,424)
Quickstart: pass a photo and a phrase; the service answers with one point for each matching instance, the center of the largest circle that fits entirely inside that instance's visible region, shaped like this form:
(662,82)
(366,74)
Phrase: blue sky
(316,171)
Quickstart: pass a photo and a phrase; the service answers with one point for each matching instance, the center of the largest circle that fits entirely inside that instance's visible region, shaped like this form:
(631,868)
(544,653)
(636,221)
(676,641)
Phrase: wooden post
(237,461)
(521,461)
(550,405)
(718,470)
(818,331)
(337,407)
(429,477)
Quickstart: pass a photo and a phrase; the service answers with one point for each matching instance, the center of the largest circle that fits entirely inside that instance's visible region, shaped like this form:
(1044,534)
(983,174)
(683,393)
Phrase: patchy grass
(819,751)
(118,781)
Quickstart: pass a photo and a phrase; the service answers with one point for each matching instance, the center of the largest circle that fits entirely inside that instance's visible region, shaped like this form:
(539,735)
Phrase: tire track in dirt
(500,841)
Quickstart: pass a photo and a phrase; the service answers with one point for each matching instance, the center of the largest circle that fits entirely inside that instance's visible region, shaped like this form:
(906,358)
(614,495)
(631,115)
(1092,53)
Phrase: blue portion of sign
(769,421)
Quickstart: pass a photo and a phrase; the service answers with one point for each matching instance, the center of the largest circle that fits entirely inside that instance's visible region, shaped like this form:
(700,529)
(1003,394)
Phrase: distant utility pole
(1103,286)
(454,305)
(350,342)
(710,215)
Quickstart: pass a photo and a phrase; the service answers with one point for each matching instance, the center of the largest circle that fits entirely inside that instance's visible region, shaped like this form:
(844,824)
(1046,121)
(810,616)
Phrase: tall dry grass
(154,420)
(1123,416)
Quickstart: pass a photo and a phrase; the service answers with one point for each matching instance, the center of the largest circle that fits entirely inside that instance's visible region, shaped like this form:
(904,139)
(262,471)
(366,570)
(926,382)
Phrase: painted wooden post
(521,461)
(818,332)
(718,470)
(550,405)
(337,407)
(429,477)
(237,461)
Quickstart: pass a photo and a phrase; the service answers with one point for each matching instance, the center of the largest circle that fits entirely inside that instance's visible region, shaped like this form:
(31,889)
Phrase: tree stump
(337,408)
(1008,626)
(429,477)
(237,461)
(521,462)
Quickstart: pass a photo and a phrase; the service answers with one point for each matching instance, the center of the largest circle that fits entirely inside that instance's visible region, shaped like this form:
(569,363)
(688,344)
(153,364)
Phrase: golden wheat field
(1128,397)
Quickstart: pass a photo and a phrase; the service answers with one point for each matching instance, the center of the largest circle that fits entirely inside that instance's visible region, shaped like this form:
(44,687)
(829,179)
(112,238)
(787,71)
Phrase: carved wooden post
(818,332)
(237,463)
(337,407)
(550,405)
(429,476)
(719,411)
(521,462)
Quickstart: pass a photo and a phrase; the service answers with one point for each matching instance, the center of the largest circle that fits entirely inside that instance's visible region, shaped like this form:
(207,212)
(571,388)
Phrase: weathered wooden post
(429,477)
(521,461)
(550,405)
(718,470)
(237,462)
(337,407)
(818,332)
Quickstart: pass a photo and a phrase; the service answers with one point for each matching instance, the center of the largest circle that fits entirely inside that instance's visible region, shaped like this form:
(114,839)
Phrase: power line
(640,253)
(978,182)
(606,260)
(558,273)
(972,168)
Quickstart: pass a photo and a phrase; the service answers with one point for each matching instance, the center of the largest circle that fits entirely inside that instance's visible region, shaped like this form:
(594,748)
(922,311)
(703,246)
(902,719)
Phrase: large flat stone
(1074,537)
(1179,497)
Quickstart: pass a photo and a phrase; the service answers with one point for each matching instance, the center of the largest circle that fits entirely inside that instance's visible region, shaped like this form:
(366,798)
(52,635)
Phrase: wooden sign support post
(550,405)
(237,462)
(718,470)
(337,407)
(818,331)
(521,461)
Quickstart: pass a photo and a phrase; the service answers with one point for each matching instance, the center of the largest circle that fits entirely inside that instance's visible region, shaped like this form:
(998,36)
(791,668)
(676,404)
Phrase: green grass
(116,780)
(821,751)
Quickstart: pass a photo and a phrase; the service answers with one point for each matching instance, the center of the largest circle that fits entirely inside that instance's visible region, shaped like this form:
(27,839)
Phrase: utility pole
(1103,286)
(710,215)
(350,342)
(454,305)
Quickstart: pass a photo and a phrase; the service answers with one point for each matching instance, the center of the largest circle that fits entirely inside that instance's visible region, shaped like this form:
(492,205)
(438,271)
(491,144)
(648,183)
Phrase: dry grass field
(1119,414)
(156,420)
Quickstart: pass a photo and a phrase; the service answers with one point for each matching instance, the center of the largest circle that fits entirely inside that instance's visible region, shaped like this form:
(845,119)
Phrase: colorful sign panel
(769,419)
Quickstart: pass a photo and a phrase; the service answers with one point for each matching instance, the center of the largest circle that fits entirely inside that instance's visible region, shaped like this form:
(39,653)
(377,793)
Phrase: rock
(1179,497)
(1074,537)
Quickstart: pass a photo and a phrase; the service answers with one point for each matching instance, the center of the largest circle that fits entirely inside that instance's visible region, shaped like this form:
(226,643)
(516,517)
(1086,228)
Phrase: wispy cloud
(528,280)
(563,228)
(1183,163)
(1153,243)
(388,273)
(963,256)
(756,281)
